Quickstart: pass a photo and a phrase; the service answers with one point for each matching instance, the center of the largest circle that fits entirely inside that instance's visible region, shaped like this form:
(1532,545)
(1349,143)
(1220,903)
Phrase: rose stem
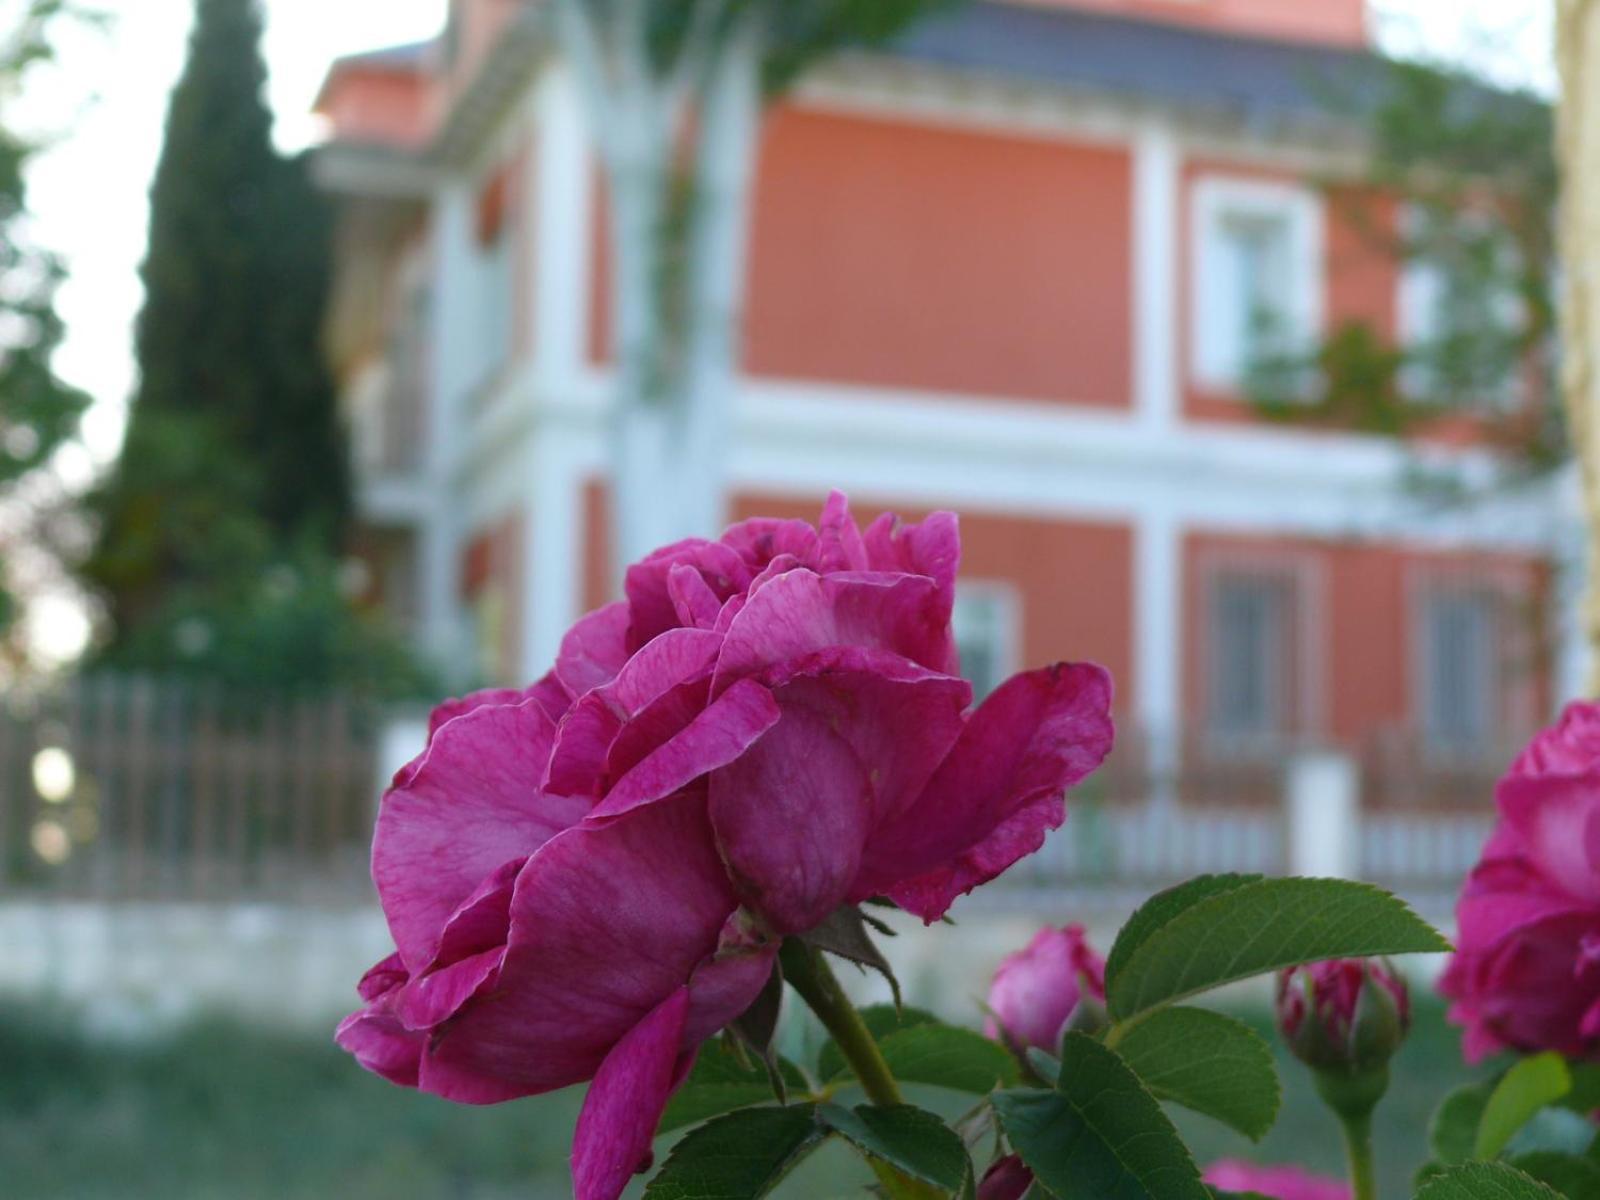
(809,974)
(1358,1146)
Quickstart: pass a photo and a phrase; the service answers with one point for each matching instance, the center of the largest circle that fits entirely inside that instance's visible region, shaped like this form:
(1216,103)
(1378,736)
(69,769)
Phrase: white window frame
(1006,622)
(1215,197)
(1416,311)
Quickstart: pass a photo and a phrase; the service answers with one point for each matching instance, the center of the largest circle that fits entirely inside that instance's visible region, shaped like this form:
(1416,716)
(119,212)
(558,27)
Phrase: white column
(552,555)
(1323,815)
(1155,276)
(1158,638)
(451,345)
(1575,655)
(562,193)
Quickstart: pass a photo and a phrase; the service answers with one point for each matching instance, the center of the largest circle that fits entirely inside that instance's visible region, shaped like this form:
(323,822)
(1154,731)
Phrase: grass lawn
(227,1112)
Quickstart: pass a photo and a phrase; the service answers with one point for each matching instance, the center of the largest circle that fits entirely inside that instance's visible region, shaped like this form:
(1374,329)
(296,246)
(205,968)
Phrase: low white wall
(136,968)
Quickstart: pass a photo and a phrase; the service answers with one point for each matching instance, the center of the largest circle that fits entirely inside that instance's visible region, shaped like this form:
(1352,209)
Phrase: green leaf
(720,1082)
(1099,1135)
(844,933)
(1522,1091)
(1246,930)
(944,1056)
(739,1156)
(880,1020)
(1573,1177)
(1484,1181)
(1163,907)
(910,1139)
(1208,1062)
(1453,1132)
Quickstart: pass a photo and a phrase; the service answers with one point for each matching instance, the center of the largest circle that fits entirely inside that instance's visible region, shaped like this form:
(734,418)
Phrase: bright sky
(107,99)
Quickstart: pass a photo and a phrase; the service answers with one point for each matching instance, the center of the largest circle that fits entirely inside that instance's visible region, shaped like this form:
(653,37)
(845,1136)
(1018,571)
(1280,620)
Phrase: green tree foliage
(222,524)
(1466,181)
(38,411)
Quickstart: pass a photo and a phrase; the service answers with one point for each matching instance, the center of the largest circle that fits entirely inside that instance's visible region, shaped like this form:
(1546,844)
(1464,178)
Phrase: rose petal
(1559,822)
(427,1000)
(694,603)
(382,1045)
(839,546)
(931,547)
(716,737)
(625,1102)
(472,803)
(646,583)
(594,649)
(579,757)
(761,539)
(606,920)
(862,732)
(800,612)
(999,791)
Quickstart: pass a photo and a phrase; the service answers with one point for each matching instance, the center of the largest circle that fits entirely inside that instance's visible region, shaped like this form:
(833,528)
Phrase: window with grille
(1460,669)
(1251,629)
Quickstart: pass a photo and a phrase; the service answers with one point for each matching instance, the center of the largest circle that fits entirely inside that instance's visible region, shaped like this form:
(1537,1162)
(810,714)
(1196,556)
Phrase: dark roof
(1249,78)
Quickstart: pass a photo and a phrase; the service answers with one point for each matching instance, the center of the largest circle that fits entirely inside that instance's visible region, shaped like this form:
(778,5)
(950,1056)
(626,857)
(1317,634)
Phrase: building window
(1459,643)
(1257,279)
(986,623)
(1251,643)
(1460,317)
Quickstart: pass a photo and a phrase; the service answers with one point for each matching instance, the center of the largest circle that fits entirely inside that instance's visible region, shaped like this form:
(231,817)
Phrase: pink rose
(1039,990)
(1348,1014)
(1526,972)
(588,879)
(1281,1183)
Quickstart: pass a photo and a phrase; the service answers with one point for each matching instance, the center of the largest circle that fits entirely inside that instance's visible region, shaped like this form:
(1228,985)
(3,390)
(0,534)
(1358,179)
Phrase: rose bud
(1348,1015)
(1007,1178)
(1279,1183)
(587,879)
(1526,972)
(1055,984)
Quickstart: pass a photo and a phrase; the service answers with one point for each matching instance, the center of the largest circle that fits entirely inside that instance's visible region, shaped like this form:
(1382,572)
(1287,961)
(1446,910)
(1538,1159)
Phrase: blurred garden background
(347,351)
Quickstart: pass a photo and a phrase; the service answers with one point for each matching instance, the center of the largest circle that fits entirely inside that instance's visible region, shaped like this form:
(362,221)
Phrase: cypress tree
(234,447)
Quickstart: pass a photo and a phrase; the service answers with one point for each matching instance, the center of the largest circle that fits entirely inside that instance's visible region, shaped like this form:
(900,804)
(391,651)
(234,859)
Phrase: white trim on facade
(1213,199)
(1157,388)
(440,615)
(563,216)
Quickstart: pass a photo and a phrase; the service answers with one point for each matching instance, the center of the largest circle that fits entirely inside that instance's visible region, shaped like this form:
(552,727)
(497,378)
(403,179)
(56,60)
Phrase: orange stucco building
(1007,264)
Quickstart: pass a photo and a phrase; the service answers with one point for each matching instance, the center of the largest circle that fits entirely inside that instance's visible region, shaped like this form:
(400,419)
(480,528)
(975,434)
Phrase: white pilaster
(552,576)
(561,223)
(450,374)
(1155,276)
(1158,633)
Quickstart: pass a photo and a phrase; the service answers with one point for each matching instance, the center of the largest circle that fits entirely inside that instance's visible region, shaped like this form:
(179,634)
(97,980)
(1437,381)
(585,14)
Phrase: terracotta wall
(1362,648)
(906,255)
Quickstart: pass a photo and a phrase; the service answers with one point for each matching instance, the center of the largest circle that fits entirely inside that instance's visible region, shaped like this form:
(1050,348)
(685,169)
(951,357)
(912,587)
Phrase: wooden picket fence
(119,788)
(182,792)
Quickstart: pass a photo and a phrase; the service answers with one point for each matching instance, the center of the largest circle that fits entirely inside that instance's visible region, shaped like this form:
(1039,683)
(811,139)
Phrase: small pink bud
(1055,984)
(1347,1015)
